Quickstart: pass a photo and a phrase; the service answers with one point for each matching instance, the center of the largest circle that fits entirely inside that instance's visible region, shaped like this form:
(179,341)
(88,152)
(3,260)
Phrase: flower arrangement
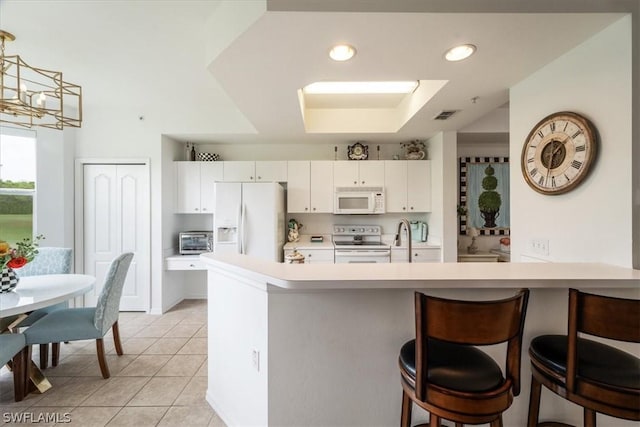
(23,253)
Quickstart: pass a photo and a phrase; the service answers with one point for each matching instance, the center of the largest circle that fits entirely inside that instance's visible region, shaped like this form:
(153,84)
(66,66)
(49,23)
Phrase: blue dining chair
(12,348)
(74,324)
(49,260)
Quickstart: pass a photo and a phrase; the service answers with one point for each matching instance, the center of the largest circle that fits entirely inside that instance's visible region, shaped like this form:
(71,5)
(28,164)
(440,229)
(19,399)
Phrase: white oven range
(359,244)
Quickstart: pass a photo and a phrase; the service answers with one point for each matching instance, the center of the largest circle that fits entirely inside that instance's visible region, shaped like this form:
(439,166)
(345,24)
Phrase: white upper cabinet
(239,171)
(310,186)
(419,185)
(271,171)
(408,185)
(194,186)
(395,184)
(321,186)
(353,173)
(298,186)
(210,173)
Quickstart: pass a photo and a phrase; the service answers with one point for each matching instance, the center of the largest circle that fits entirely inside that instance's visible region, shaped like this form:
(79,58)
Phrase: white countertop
(305,243)
(418,275)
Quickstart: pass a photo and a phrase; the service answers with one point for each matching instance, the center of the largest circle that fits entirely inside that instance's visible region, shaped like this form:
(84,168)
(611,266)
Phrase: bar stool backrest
(601,316)
(471,323)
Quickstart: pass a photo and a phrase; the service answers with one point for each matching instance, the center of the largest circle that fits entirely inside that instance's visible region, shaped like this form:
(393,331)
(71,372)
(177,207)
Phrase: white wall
(594,221)
(442,221)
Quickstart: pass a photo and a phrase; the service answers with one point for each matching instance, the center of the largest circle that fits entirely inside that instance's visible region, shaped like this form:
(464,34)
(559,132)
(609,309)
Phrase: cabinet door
(298,186)
(395,183)
(419,185)
(187,187)
(426,255)
(314,256)
(210,173)
(371,173)
(345,173)
(271,171)
(321,188)
(239,171)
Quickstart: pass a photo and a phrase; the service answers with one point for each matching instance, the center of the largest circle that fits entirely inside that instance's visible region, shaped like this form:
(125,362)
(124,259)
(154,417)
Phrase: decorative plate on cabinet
(358,151)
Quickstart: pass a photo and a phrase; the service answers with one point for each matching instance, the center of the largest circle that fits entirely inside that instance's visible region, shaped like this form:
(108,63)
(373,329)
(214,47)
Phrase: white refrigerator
(249,219)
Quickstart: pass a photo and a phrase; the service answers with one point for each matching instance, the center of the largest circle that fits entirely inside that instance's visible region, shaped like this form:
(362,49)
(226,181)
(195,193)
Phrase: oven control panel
(357,230)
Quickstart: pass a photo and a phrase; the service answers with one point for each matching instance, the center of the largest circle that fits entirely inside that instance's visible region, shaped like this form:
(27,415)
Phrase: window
(17,186)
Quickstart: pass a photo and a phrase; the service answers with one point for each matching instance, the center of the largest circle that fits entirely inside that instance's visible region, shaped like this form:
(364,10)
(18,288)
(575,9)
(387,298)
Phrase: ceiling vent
(445,114)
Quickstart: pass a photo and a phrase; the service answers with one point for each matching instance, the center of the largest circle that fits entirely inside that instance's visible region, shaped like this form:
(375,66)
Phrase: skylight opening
(381,87)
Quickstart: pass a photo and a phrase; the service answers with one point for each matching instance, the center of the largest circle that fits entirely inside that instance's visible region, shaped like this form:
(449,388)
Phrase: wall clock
(558,152)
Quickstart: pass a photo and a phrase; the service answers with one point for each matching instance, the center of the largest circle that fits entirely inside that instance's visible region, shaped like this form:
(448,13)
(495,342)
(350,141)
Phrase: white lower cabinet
(314,256)
(419,255)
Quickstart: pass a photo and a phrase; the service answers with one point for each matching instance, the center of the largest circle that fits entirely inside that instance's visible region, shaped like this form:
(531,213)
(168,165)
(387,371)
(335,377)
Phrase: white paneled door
(117,220)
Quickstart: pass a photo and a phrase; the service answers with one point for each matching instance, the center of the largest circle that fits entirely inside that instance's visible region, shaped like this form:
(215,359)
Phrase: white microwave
(359,200)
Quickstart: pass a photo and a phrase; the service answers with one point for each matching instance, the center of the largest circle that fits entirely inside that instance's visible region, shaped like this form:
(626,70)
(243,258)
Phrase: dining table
(35,292)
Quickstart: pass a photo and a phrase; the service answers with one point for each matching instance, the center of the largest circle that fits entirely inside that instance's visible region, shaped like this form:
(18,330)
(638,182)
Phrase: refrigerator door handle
(239,235)
(243,235)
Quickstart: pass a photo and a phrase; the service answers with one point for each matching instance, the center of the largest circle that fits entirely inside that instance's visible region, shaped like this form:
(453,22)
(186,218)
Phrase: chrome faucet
(398,241)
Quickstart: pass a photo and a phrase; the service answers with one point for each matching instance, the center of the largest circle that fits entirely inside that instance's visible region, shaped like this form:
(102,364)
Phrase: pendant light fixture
(36,97)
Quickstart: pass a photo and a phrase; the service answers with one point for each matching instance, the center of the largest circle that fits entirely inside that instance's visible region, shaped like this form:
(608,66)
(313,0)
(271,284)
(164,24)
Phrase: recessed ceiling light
(361,87)
(458,53)
(342,52)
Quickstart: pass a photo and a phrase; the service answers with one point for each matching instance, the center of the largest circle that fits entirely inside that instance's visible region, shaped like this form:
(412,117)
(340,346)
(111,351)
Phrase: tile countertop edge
(424,276)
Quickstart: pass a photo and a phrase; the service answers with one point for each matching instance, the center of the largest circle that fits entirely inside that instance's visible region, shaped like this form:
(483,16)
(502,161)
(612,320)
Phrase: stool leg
(407,406)
(589,418)
(434,420)
(534,402)
(497,422)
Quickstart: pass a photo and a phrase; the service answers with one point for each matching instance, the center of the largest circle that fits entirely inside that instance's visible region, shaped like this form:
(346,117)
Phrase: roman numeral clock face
(558,153)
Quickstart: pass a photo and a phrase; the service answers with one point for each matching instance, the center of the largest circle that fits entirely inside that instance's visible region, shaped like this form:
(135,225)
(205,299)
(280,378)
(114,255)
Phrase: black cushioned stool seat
(596,361)
(458,367)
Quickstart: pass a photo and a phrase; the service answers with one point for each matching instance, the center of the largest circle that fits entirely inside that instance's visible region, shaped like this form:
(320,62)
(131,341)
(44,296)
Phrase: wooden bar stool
(594,375)
(445,373)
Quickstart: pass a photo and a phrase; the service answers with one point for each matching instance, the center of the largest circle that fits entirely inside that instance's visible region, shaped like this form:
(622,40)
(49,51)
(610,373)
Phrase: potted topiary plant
(489,201)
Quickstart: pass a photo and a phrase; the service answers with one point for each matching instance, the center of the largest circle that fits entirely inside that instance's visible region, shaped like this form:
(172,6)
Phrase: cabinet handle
(411,207)
(196,209)
(309,256)
(363,182)
(355,182)
(191,265)
(204,209)
(306,209)
(404,208)
(250,178)
(259,177)
(314,209)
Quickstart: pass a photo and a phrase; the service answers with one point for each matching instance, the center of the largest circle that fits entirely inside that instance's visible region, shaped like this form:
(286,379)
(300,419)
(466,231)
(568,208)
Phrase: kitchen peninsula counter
(317,345)
(438,275)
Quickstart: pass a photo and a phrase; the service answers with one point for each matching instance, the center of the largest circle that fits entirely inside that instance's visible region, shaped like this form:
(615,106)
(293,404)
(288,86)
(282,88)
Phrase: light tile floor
(160,380)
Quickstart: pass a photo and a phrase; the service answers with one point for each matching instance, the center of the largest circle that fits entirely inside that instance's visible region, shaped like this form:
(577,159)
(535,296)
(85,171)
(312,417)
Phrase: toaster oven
(195,242)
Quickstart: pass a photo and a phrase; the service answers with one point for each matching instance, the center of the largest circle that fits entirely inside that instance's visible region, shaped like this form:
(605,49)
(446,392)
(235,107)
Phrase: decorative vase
(8,279)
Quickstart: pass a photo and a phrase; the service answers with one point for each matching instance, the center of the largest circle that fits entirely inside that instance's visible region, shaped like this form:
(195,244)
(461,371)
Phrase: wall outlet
(255,359)
(539,246)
